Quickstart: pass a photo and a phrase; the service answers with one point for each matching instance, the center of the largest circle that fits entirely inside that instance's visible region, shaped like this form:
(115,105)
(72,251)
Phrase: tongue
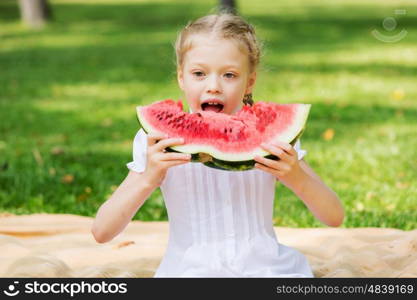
(215,108)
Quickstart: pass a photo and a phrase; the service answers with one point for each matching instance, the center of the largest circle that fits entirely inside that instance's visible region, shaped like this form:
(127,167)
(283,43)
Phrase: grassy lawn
(68,95)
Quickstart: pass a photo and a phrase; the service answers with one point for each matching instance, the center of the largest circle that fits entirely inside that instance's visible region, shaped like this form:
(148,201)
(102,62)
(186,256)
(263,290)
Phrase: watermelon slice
(227,142)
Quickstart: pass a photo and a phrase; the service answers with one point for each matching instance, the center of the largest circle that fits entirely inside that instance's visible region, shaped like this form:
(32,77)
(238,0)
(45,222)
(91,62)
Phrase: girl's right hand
(158,161)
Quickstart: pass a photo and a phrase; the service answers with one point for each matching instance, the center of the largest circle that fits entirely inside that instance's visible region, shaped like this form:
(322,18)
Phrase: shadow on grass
(122,42)
(126,17)
(374,69)
(9,10)
(142,62)
(326,27)
(118,43)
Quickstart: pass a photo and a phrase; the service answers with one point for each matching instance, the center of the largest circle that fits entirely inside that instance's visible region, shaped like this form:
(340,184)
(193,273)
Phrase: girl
(220,221)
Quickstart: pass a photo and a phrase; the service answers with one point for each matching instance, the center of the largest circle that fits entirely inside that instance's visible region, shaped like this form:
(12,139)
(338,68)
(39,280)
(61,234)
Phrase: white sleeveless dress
(220,222)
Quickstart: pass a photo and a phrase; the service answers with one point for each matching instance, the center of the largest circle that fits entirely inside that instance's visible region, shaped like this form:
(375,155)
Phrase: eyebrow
(225,67)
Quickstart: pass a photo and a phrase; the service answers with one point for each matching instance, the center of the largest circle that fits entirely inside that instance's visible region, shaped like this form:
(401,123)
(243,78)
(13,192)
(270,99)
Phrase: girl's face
(215,71)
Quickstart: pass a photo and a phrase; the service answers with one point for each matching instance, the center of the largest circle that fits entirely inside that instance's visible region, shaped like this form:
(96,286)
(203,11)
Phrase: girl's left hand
(286,168)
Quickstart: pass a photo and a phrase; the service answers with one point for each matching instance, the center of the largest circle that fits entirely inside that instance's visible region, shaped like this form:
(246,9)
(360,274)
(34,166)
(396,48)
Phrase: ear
(251,82)
(180,78)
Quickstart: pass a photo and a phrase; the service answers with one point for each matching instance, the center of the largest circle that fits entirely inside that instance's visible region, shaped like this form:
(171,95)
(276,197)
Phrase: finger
(154,137)
(265,168)
(162,144)
(274,172)
(285,146)
(269,162)
(277,151)
(176,156)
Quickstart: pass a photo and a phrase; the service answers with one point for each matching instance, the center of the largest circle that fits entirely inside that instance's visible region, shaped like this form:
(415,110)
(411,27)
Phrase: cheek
(237,89)
(241,83)
(192,83)
(193,91)
(190,87)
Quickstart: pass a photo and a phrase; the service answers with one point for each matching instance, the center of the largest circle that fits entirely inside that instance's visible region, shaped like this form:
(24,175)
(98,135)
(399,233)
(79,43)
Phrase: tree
(229,6)
(35,13)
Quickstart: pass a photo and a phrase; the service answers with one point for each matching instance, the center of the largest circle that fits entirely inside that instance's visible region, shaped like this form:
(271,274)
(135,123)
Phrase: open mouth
(216,107)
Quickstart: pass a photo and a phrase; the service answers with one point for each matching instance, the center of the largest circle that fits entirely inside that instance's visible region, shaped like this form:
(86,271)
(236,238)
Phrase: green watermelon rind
(214,158)
(233,165)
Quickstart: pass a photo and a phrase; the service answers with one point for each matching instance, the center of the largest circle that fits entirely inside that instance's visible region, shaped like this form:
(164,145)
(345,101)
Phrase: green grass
(68,95)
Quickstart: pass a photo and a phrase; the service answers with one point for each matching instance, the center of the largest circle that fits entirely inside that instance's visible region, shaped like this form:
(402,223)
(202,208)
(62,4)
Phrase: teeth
(212,103)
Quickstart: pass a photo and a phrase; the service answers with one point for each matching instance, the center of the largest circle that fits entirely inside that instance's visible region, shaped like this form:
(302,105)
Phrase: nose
(213,85)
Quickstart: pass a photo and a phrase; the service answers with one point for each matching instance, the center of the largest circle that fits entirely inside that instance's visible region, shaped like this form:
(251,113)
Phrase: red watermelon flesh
(234,137)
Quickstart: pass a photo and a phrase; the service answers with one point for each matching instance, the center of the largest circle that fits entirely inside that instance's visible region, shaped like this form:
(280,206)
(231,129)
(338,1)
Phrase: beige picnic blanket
(61,245)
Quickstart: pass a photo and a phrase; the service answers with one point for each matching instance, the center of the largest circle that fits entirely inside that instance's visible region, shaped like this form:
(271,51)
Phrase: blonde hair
(222,25)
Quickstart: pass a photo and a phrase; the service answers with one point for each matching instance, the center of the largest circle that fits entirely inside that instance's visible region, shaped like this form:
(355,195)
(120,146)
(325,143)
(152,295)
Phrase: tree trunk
(35,13)
(228,6)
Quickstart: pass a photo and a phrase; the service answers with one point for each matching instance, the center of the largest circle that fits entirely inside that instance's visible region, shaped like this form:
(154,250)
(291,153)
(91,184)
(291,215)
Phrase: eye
(198,73)
(230,75)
